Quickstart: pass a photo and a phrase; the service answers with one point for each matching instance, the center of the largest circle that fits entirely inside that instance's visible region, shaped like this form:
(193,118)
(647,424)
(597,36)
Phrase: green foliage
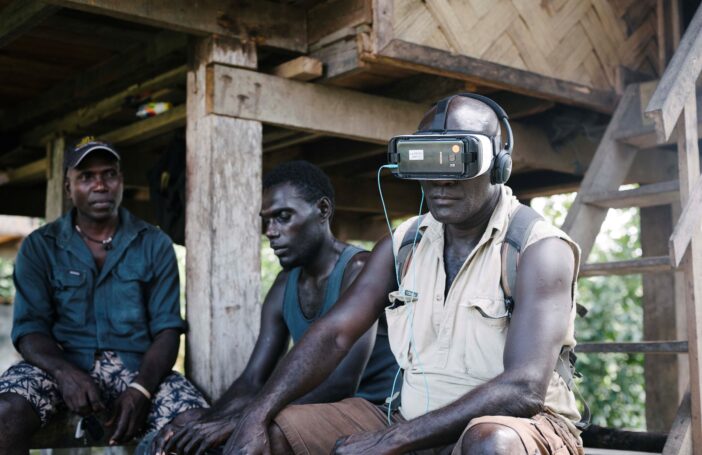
(612,384)
(7,287)
(270,267)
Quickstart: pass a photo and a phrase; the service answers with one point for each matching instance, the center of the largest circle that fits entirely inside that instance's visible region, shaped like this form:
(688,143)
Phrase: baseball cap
(75,154)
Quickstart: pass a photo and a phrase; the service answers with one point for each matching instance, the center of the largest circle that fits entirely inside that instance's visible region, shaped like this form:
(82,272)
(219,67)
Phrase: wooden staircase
(673,105)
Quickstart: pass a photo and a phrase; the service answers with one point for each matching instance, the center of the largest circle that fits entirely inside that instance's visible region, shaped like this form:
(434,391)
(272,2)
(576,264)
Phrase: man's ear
(67,185)
(326,209)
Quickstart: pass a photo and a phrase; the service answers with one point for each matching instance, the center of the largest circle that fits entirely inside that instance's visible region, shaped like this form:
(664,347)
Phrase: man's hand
(79,391)
(377,443)
(128,416)
(187,418)
(249,438)
(197,437)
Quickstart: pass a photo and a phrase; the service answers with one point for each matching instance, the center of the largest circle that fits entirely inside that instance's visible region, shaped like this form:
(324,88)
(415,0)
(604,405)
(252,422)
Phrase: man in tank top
(297,208)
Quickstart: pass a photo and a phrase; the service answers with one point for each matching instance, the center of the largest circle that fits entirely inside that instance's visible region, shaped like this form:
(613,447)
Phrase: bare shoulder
(354,267)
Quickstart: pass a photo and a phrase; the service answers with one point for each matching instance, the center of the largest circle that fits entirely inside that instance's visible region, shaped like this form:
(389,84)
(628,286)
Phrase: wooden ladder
(672,105)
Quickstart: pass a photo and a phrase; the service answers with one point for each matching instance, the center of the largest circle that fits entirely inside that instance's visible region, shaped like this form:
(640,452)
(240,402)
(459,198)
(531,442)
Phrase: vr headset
(441,154)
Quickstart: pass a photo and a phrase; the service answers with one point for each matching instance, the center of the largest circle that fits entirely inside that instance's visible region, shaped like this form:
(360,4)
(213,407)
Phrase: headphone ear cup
(501,168)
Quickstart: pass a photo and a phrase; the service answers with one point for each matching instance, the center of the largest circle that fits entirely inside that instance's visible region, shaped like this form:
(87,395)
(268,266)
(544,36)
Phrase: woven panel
(581,41)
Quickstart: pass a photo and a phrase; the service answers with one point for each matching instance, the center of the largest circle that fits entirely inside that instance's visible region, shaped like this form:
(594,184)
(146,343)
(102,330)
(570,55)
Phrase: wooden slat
(422,58)
(300,69)
(678,81)
(55,193)
(645,347)
(274,24)
(644,196)
(147,128)
(109,76)
(689,223)
(21,16)
(680,437)
(629,267)
(81,119)
(309,107)
(606,172)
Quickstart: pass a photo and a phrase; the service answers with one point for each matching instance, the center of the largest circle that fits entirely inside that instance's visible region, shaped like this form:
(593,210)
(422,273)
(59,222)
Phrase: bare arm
(535,337)
(322,348)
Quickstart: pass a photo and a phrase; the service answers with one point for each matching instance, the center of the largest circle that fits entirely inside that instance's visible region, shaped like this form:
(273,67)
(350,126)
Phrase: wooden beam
(645,196)
(678,80)
(327,17)
(309,107)
(20,16)
(223,198)
(35,170)
(265,22)
(300,69)
(148,128)
(81,119)
(110,76)
(628,267)
(689,171)
(645,347)
(482,72)
(55,193)
(679,440)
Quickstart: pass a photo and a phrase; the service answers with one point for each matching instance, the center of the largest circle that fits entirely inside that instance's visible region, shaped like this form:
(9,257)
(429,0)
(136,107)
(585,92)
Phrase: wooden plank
(223,198)
(659,316)
(687,225)
(148,128)
(679,439)
(606,172)
(109,76)
(309,107)
(300,69)
(689,170)
(82,118)
(55,192)
(628,267)
(430,60)
(20,16)
(327,17)
(644,347)
(383,13)
(678,81)
(273,24)
(33,171)
(644,196)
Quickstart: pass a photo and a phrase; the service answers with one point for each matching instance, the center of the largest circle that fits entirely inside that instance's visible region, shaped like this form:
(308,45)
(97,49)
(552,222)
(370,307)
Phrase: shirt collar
(129,226)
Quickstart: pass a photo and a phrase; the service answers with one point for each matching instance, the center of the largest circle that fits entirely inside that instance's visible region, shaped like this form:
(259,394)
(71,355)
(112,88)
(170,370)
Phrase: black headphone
(502,161)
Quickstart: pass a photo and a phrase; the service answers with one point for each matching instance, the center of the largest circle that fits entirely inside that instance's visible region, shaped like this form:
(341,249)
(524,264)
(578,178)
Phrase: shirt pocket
(70,294)
(398,332)
(484,324)
(128,310)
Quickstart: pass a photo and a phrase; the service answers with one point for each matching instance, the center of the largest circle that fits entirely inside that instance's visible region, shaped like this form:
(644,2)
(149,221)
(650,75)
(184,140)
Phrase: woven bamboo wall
(581,41)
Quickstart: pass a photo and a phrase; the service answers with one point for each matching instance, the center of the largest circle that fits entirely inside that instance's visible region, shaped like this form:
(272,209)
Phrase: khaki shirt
(448,346)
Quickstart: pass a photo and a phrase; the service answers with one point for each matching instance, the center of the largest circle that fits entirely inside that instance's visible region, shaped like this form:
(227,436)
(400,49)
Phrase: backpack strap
(520,226)
(412,236)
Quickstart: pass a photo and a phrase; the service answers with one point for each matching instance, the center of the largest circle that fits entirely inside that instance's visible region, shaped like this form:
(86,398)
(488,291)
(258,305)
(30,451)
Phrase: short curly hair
(312,183)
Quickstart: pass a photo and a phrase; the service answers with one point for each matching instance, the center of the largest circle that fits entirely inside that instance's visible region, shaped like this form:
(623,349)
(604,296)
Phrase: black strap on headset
(438,124)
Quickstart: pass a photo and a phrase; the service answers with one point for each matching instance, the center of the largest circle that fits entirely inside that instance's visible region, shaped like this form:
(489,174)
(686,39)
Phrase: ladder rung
(629,267)
(644,196)
(647,347)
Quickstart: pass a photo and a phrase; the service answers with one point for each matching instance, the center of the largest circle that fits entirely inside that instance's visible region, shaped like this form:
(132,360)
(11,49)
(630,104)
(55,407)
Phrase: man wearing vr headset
(480,375)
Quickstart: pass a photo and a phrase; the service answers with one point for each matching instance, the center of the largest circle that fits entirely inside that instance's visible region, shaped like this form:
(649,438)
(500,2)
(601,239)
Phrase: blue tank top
(377,379)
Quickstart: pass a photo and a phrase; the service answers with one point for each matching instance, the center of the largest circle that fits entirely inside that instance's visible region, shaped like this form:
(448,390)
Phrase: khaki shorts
(313,429)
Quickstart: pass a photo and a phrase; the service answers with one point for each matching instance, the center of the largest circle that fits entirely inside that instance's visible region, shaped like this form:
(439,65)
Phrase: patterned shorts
(173,396)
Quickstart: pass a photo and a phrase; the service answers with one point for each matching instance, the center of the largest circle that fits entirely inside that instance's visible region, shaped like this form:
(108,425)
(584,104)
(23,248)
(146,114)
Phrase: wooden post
(55,194)
(689,170)
(222,234)
(661,372)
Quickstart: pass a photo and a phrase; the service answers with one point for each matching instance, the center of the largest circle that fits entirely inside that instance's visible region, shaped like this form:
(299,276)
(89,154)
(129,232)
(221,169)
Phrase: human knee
(17,419)
(278,441)
(490,438)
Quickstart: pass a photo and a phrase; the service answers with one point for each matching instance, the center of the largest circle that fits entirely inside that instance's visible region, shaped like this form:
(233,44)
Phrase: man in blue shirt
(96,314)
